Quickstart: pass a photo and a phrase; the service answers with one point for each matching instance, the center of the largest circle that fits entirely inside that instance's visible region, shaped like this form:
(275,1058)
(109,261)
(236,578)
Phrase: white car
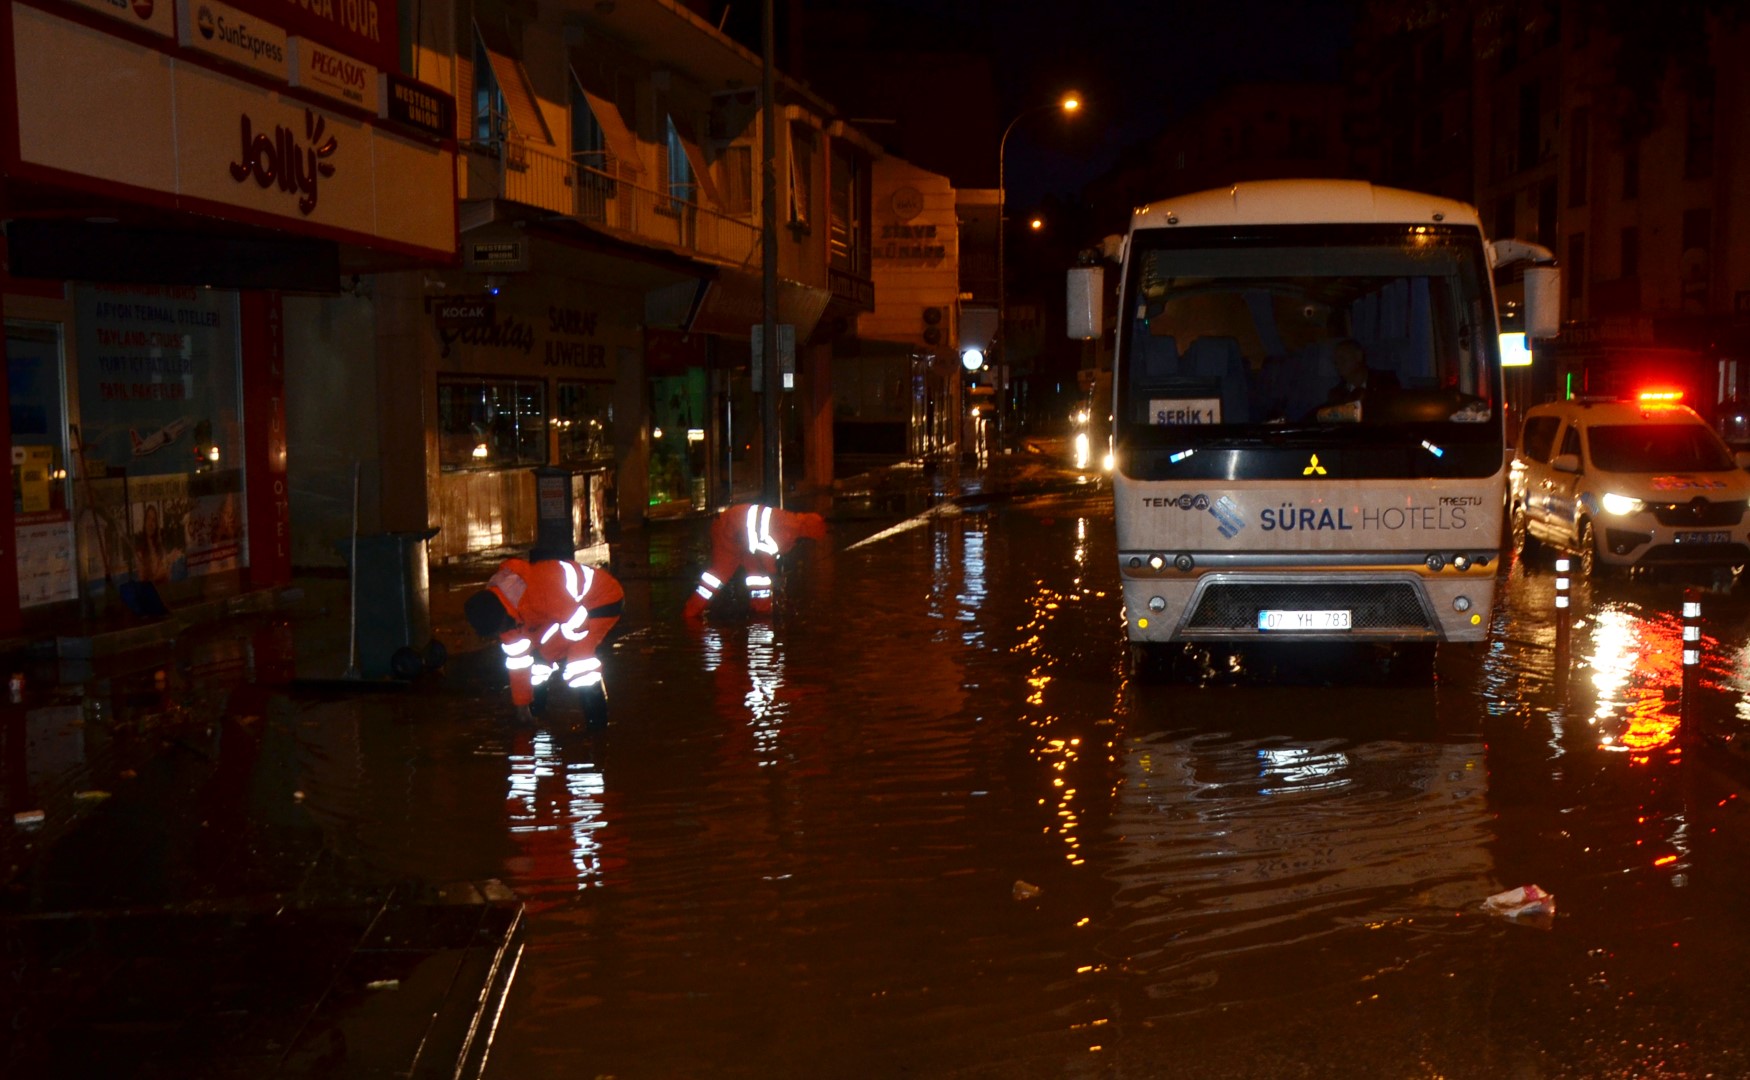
(1629,484)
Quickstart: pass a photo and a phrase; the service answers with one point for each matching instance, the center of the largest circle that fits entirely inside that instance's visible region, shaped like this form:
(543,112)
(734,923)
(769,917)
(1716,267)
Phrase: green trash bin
(391,600)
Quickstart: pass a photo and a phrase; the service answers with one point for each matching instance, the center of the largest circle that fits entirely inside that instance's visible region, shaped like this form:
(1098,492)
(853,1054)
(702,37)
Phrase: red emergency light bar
(1659,397)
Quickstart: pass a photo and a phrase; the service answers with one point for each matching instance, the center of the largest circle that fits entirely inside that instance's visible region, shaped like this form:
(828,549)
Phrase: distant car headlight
(1620,505)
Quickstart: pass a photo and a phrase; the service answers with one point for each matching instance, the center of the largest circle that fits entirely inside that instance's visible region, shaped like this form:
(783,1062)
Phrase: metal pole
(772,478)
(352,585)
(1001,366)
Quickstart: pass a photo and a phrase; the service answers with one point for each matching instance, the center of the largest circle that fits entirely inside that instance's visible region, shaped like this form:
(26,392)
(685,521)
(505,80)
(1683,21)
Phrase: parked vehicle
(1629,484)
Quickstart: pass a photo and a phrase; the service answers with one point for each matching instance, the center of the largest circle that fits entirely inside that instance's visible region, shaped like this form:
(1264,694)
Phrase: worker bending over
(549,618)
(750,537)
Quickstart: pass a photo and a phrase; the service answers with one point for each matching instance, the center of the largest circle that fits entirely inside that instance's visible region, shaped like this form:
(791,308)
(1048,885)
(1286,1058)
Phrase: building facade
(175,179)
(601,316)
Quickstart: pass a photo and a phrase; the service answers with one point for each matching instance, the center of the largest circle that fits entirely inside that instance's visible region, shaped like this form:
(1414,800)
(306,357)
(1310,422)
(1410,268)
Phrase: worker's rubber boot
(595,706)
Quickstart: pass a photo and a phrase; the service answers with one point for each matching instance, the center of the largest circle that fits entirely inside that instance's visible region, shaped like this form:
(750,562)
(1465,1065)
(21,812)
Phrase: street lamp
(1067,104)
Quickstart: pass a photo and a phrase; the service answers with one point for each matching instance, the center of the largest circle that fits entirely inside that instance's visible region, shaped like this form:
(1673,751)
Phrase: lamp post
(1068,104)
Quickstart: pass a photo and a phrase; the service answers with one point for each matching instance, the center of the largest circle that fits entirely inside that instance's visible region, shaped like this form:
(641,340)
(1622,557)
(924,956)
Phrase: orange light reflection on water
(1635,660)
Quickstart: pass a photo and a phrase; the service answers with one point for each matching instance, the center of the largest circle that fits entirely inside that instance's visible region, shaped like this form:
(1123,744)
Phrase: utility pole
(771,381)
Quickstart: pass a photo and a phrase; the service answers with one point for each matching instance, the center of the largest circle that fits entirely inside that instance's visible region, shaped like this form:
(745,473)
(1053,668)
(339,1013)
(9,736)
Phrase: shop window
(42,533)
(677,439)
(159,438)
(491,423)
(583,416)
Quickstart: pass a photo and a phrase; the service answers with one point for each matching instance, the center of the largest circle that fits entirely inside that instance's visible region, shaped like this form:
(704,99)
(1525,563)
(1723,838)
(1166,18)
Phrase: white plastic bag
(1525,900)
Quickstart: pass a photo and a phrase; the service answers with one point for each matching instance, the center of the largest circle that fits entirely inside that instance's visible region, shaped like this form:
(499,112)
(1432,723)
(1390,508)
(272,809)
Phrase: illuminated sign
(1514,351)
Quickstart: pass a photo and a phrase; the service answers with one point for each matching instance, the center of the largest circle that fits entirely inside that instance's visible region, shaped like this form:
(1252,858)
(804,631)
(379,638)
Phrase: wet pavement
(921,822)
(185,890)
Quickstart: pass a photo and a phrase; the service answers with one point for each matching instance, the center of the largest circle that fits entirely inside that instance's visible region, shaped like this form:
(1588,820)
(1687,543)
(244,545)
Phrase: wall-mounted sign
(495,256)
(908,202)
(366,29)
(184,127)
(231,35)
(157,16)
(462,312)
(416,105)
(317,67)
(295,164)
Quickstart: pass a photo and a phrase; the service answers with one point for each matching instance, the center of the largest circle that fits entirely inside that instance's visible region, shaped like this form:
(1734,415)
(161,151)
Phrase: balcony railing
(604,198)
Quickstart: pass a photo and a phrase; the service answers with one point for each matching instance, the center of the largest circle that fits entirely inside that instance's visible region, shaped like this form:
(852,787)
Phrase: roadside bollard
(1690,704)
(1563,619)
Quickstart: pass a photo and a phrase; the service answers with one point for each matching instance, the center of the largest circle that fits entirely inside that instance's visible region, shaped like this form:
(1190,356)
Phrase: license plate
(1279,619)
(1721,537)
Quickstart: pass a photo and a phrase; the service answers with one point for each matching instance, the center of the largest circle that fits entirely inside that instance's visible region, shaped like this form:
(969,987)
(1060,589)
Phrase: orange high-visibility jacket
(563,610)
(751,537)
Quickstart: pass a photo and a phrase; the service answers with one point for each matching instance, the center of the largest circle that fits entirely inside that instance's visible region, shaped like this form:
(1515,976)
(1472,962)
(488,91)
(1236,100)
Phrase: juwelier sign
(234,36)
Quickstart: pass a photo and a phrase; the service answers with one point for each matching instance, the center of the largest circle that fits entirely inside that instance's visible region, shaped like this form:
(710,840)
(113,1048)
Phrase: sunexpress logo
(238,35)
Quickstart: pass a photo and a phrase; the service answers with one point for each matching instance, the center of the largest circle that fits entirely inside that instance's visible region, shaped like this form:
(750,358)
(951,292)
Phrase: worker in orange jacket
(751,538)
(549,618)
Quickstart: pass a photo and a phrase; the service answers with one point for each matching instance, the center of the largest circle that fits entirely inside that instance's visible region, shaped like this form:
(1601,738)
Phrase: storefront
(532,368)
(170,177)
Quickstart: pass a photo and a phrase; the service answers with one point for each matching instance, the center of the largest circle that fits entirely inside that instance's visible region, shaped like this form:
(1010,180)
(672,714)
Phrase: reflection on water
(924,824)
(756,673)
(1636,660)
(1301,769)
(556,809)
(1346,837)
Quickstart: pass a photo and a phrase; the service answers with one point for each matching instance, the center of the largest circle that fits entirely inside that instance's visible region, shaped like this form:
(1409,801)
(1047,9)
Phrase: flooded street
(922,822)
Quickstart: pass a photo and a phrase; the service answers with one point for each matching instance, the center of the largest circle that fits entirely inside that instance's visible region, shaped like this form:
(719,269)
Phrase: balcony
(604,199)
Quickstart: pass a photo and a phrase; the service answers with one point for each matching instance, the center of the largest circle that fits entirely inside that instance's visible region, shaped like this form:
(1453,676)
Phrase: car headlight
(1620,505)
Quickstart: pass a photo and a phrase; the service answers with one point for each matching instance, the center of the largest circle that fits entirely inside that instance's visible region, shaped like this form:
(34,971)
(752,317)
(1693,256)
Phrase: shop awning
(513,83)
(689,137)
(735,301)
(615,131)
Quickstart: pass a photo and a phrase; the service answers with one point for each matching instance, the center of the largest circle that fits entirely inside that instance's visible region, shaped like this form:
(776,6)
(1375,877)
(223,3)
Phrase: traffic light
(933,317)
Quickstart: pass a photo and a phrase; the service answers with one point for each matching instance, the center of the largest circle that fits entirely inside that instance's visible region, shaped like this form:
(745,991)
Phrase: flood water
(923,823)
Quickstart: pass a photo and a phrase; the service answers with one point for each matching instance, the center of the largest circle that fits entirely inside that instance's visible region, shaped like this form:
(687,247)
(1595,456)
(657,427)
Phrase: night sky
(1139,64)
